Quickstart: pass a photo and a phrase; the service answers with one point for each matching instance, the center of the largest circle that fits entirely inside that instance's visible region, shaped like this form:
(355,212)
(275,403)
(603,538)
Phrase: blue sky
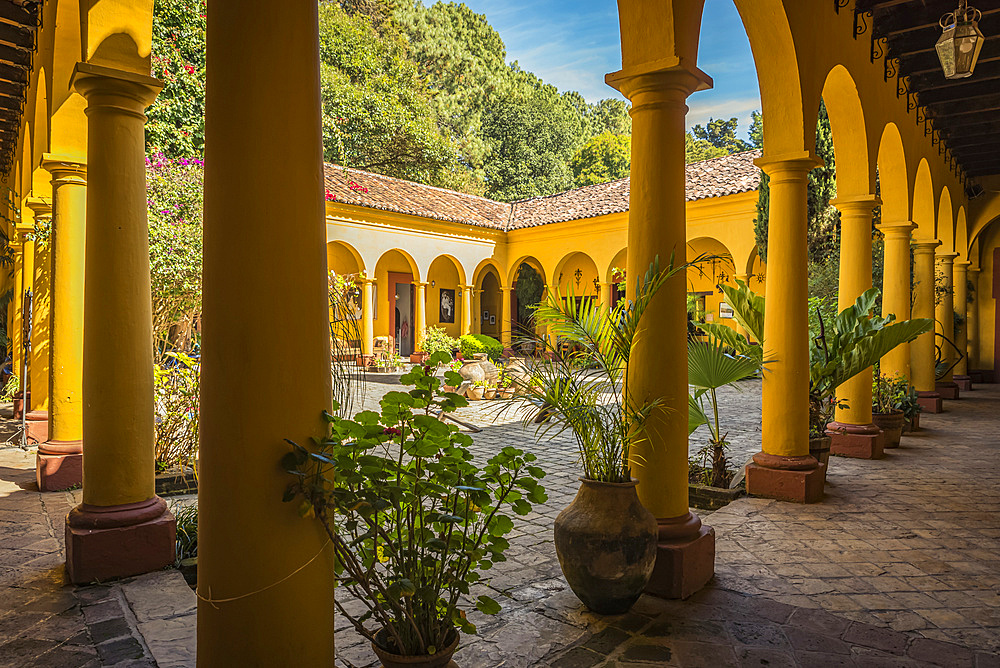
(572,44)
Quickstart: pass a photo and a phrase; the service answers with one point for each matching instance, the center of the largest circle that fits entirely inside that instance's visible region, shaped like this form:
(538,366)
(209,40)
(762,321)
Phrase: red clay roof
(717,177)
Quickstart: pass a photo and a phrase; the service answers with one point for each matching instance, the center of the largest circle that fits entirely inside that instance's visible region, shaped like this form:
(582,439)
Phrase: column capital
(861,204)
(421,284)
(660,82)
(789,166)
(23,230)
(963,264)
(96,81)
(972,270)
(945,258)
(64,169)
(903,228)
(39,207)
(924,246)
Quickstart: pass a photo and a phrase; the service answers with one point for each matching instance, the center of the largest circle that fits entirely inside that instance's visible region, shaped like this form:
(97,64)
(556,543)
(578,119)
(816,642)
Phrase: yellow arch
(532,261)
(554,279)
(360,261)
(892,173)
(617,262)
(962,234)
(414,270)
(454,261)
(483,268)
(946,221)
(924,214)
(850,139)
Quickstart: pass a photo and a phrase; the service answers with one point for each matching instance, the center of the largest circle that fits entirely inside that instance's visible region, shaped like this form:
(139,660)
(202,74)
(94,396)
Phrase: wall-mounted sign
(725,310)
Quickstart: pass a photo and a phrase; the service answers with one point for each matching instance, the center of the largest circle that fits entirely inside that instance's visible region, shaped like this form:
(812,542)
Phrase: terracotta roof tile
(717,177)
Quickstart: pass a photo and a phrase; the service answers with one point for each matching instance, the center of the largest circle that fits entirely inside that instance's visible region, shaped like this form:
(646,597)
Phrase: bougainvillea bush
(174,201)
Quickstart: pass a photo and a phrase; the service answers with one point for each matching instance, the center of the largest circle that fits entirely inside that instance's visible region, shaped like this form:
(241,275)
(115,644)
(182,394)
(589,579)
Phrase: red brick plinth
(986,375)
(106,542)
(685,557)
(976,376)
(796,479)
(930,402)
(860,441)
(947,389)
(36,426)
(964,383)
(19,403)
(59,465)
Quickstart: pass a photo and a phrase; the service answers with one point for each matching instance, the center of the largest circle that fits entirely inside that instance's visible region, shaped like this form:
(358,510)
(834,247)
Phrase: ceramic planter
(440,659)
(419,358)
(489,393)
(820,449)
(472,371)
(891,424)
(606,544)
(706,497)
(474,393)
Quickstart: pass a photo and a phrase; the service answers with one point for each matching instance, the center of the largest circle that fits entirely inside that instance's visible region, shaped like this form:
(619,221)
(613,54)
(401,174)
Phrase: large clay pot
(518,374)
(892,425)
(820,449)
(606,544)
(472,371)
(489,368)
(440,659)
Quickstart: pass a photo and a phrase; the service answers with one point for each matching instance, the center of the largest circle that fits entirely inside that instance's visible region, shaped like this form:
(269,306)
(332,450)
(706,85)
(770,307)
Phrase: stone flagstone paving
(899,566)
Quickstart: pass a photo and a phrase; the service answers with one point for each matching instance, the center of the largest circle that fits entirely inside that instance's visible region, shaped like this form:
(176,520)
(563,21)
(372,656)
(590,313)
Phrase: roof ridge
(417,183)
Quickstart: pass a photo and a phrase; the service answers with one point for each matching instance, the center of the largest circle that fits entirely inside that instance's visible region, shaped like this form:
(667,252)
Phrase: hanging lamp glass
(960,42)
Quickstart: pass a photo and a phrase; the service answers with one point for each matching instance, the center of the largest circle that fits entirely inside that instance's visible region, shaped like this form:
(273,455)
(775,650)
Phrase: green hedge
(470,344)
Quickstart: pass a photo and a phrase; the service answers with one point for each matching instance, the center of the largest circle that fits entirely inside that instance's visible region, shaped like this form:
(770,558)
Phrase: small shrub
(176,385)
(470,344)
(187,533)
(437,340)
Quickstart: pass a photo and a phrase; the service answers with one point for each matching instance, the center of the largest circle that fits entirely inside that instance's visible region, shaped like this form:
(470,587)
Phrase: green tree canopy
(602,158)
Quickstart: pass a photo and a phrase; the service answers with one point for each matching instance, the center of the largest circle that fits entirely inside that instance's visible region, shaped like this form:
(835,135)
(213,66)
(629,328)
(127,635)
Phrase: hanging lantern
(960,42)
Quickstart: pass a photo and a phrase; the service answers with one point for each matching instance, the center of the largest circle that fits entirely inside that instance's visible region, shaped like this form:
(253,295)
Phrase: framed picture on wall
(486,316)
(493,320)
(446,308)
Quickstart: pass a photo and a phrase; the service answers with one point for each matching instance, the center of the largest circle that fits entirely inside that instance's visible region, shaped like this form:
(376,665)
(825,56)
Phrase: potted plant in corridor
(413,520)
(605,539)
(887,393)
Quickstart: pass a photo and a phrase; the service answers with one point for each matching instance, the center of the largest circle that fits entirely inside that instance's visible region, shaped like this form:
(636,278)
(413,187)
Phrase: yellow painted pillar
(657,230)
(477,311)
(505,327)
(852,430)
(944,317)
(25,233)
(419,315)
(784,469)
(16,328)
(59,464)
(960,279)
(367,316)
(896,291)
(603,295)
(972,321)
(466,308)
(264,159)
(922,348)
(41,285)
(120,505)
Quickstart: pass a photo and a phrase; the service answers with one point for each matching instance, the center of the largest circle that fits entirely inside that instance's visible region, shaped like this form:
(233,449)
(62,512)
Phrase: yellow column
(505,334)
(16,330)
(657,230)
(41,284)
(59,464)
(119,502)
(419,315)
(896,291)
(477,311)
(466,308)
(852,430)
(922,348)
(264,159)
(944,317)
(25,232)
(960,279)
(972,321)
(784,469)
(367,316)
(604,295)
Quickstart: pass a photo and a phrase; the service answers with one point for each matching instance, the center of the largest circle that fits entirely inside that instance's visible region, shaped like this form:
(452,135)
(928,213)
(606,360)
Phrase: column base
(964,382)
(930,402)
(59,465)
(860,441)
(685,557)
(987,375)
(37,426)
(106,542)
(976,376)
(947,389)
(20,400)
(795,479)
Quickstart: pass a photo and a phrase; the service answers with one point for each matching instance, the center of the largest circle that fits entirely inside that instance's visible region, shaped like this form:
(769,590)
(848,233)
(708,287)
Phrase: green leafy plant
(176,391)
(413,520)
(888,392)
(12,387)
(854,341)
(562,397)
(437,340)
(187,534)
(908,403)
(470,344)
(348,378)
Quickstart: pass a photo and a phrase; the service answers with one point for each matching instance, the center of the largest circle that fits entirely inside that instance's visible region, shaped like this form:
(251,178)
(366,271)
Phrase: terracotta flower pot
(606,544)
(474,393)
(892,425)
(440,659)
(820,449)
(419,358)
(489,393)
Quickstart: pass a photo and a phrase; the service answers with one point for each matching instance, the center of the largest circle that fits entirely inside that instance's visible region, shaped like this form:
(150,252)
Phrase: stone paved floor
(898,566)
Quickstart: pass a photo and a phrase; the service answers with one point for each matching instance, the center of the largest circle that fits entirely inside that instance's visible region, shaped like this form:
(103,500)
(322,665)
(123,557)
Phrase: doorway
(401,304)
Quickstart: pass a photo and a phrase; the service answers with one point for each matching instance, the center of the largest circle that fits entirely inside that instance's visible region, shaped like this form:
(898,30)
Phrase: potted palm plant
(605,539)
(412,518)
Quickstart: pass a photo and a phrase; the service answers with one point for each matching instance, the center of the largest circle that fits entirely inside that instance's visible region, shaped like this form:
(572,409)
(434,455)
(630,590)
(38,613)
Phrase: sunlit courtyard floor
(898,566)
